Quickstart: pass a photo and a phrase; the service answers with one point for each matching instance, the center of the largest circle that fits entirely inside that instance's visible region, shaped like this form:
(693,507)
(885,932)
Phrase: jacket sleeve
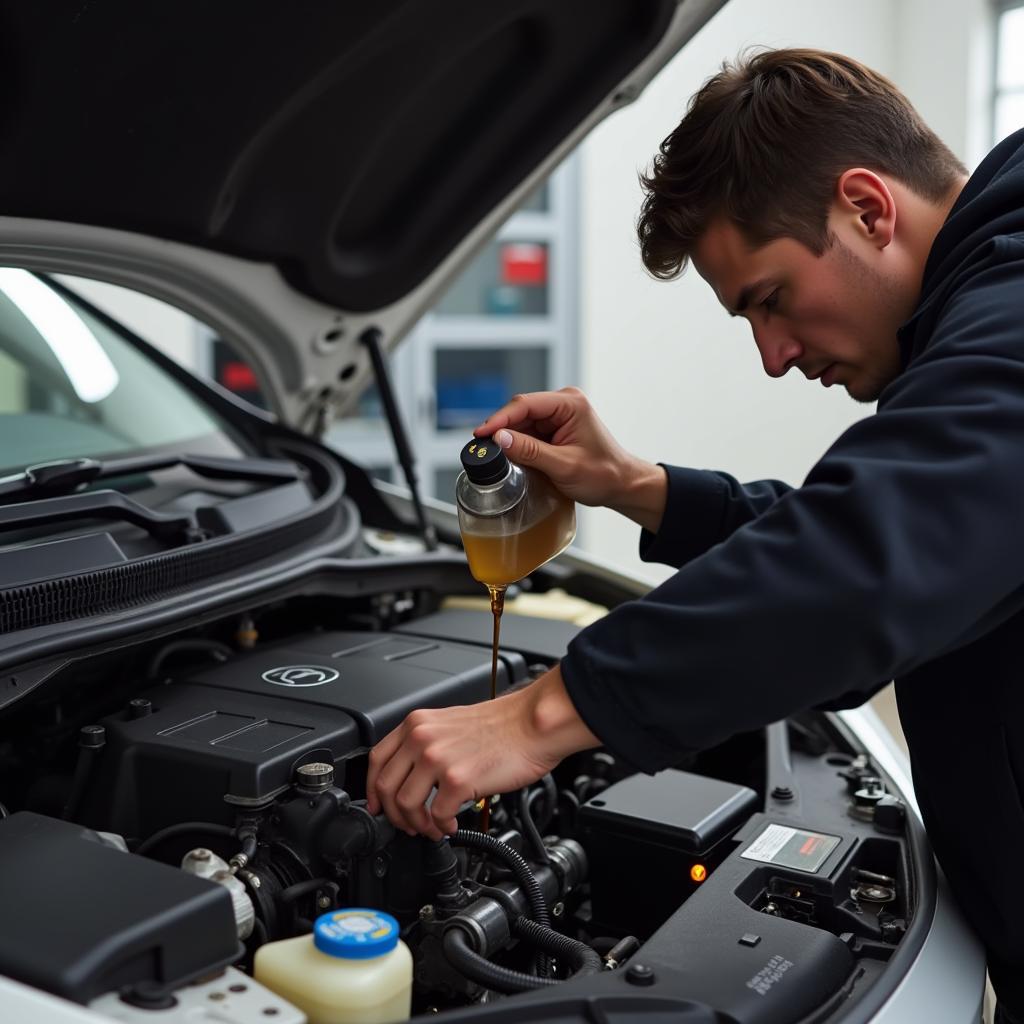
(904,542)
(702,508)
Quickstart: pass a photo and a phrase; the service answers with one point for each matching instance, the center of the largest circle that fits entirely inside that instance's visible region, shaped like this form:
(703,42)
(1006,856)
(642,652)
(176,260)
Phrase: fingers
(391,778)
(531,451)
(411,801)
(404,769)
(491,747)
(379,757)
(453,791)
(555,406)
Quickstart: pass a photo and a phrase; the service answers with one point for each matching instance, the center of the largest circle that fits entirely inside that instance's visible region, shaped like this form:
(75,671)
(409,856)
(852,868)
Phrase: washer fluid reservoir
(353,969)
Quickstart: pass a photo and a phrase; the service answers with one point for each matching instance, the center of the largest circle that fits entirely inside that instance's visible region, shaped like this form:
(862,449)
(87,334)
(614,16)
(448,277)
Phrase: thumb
(526,450)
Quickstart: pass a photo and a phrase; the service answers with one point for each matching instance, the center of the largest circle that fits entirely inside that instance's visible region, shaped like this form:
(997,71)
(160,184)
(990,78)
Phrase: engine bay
(183,803)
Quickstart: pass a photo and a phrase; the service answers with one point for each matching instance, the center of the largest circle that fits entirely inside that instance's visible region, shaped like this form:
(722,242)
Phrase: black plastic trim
(316,573)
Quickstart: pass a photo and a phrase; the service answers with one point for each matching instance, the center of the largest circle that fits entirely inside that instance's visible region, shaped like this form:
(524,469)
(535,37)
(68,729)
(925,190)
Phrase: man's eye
(772,300)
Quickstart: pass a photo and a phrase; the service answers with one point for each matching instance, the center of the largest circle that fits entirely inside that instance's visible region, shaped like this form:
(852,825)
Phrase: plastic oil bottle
(353,969)
(513,520)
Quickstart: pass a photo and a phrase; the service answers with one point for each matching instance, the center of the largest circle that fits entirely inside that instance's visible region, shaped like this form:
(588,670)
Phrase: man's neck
(922,220)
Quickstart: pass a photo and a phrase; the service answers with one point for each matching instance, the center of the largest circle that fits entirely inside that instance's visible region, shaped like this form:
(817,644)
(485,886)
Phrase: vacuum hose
(514,862)
(530,826)
(467,961)
(526,878)
(183,828)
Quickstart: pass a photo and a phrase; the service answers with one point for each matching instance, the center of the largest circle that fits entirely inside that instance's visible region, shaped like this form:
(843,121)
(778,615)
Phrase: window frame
(999,8)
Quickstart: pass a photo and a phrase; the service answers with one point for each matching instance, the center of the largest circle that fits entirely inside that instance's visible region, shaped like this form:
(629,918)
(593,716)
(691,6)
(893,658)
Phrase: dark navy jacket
(901,557)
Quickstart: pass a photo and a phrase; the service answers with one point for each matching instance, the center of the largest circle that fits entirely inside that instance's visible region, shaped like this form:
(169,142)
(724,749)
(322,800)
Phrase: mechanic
(813,199)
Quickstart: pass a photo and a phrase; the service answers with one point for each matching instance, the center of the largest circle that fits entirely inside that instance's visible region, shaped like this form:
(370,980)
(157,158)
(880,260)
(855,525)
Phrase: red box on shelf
(524,263)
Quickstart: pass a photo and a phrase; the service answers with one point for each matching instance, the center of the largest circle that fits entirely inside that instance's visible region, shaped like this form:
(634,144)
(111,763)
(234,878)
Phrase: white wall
(674,378)
(944,65)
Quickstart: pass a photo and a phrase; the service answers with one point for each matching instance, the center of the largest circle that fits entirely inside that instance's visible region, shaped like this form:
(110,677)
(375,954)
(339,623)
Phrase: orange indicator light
(698,872)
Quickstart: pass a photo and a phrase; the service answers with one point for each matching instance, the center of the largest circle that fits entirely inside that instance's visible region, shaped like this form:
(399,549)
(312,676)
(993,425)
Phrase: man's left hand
(471,752)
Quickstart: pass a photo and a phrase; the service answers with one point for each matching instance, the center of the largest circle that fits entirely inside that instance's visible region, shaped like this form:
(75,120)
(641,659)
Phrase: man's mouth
(820,374)
(828,375)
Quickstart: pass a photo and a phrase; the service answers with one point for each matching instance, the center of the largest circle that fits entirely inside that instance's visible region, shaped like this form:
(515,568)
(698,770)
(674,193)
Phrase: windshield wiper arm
(73,508)
(67,475)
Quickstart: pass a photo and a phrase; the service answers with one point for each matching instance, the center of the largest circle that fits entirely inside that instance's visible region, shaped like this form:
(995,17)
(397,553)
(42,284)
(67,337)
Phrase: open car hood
(294,174)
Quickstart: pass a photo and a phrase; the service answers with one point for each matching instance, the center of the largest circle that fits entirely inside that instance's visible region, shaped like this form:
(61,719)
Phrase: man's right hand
(558,433)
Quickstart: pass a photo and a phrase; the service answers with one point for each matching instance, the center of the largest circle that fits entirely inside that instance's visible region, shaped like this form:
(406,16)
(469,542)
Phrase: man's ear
(864,202)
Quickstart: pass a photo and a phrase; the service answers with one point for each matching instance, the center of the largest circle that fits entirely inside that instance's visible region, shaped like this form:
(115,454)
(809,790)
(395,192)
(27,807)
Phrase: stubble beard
(881,291)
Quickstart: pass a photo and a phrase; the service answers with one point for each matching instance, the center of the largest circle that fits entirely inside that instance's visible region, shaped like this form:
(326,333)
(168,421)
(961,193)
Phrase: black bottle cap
(484,461)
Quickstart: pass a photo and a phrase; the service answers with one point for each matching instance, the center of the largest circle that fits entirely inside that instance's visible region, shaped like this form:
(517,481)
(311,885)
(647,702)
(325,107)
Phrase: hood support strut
(371,338)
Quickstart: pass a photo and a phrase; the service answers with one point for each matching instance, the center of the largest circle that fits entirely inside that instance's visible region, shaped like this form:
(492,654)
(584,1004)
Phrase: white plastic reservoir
(353,969)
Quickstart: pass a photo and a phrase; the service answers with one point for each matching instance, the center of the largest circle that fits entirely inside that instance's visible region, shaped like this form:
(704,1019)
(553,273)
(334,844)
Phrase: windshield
(70,386)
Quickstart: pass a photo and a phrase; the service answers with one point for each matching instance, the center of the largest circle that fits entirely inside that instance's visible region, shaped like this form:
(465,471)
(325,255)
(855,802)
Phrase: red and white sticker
(791,848)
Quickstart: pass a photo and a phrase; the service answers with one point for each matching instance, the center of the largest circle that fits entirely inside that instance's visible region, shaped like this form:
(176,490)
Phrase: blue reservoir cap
(355,934)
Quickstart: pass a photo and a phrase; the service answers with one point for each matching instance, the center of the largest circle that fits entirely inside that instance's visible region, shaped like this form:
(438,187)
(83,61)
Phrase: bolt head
(140,707)
(92,736)
(640,974)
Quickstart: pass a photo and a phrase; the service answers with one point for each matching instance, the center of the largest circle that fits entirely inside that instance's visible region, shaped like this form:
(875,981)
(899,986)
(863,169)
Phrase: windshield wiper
(68,475)
(74,508)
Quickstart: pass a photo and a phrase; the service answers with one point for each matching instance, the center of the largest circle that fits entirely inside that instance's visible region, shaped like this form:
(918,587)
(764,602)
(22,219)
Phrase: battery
(651,840)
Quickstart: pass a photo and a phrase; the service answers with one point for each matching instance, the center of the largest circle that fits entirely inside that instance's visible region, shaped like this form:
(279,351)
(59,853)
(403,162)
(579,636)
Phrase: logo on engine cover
(300,675)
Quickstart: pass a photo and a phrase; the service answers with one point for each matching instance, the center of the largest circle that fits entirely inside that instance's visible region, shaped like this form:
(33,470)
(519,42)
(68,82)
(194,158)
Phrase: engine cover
(81,919)
(230,737)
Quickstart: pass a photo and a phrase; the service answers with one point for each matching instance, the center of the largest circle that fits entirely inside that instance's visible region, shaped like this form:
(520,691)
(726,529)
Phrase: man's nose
(778,351)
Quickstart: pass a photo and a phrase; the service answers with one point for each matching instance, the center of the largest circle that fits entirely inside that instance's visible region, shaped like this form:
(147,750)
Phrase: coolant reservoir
(512,519)
(353,969)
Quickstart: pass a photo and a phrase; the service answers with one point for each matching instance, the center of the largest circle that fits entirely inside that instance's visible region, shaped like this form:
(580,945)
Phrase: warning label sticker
(791,848)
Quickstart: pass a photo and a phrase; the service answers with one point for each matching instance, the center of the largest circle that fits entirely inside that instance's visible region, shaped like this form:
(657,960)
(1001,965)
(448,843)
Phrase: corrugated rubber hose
(524,876)
(467,961)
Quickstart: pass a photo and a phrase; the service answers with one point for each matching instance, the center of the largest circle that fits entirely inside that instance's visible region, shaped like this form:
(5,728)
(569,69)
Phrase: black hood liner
(353,144)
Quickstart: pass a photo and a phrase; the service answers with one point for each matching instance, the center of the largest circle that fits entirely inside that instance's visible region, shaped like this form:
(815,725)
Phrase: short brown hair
(763,143)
